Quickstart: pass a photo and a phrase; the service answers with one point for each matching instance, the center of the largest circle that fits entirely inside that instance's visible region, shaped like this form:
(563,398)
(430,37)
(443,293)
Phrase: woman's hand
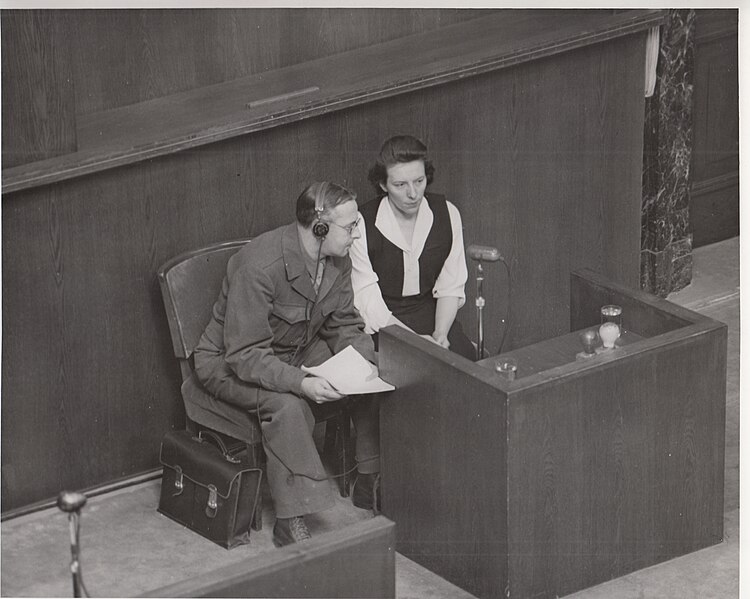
(429,338)
(319,390)
(441,339)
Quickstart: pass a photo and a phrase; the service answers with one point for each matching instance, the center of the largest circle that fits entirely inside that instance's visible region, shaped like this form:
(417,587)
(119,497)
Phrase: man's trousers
(296,476)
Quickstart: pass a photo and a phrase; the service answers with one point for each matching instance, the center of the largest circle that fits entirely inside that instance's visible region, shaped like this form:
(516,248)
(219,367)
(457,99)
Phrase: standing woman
(409,267)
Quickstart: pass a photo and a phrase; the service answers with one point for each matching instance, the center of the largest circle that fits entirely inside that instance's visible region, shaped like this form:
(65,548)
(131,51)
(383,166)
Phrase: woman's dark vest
(388,261)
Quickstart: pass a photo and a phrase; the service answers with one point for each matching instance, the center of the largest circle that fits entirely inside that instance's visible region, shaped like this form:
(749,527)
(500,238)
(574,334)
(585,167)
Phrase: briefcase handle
(222,447)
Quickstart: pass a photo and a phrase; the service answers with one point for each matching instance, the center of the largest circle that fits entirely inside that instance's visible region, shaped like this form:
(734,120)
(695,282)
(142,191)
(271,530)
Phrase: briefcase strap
(212,489)
(222,447)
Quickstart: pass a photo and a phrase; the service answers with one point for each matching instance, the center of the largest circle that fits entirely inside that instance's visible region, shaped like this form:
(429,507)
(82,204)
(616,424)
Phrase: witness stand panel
(578,471)
(358,561)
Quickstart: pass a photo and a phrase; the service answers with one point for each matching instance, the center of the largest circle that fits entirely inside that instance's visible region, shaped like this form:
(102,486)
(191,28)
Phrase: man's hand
(319,390)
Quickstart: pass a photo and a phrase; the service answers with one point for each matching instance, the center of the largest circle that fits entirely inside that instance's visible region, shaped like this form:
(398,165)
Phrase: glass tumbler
(611,327)
(611,313)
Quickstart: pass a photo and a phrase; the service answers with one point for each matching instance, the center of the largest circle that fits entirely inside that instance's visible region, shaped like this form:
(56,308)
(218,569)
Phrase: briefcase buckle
(178,483)
(213,501)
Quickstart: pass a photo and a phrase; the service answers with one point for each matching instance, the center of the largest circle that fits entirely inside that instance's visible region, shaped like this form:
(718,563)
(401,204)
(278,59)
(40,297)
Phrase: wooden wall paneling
(126,56)
(716,94)
(38,107)
(197,117)
(332,30)
(86,364)
(714,200)
(35,363)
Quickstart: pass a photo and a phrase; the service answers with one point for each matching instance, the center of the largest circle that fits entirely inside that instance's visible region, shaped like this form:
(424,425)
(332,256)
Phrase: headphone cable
(308,318)
(507,309)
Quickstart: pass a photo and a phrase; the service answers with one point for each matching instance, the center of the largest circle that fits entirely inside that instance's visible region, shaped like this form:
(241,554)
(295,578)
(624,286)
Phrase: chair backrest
(190,284)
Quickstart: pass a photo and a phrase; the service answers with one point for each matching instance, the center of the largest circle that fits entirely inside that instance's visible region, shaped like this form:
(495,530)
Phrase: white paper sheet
(349,373)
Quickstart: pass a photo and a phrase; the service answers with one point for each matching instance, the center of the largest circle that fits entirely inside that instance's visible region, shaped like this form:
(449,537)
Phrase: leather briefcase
(207,488)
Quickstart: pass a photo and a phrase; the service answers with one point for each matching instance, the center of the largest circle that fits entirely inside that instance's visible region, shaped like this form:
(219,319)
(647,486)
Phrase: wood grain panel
(462,420)
(714,199)
(38,100)
(122,57)
(604,482)
(357,561)
(716,99)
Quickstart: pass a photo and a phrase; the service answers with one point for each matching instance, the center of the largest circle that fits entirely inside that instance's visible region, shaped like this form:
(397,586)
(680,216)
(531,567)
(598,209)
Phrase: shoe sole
(279,543)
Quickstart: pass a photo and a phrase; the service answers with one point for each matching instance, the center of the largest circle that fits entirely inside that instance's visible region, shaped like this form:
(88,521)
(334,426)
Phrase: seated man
(287,301)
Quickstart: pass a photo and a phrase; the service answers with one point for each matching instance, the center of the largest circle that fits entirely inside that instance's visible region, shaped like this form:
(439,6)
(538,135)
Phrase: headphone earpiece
(320,228)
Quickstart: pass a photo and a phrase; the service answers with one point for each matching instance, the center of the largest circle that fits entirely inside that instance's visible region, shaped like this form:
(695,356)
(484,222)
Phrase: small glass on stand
(589,340)
(611,326)
(507,367)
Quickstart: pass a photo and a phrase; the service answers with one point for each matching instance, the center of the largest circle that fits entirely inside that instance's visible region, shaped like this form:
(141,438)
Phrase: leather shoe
(290,530)
(366,492)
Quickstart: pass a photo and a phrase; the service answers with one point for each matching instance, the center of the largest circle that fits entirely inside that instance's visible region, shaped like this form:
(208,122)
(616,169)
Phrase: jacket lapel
(296,273)
(329,277)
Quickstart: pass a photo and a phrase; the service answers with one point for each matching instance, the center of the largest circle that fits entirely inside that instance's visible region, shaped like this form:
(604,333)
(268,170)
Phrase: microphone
(483,252)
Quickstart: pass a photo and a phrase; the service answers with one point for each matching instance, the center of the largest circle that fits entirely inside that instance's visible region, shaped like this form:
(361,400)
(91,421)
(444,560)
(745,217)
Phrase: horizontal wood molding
(715,184)
(209,114)
(715,24)
(103,489)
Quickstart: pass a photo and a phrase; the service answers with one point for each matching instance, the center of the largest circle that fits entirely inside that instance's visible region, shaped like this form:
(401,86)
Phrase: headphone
(320,228)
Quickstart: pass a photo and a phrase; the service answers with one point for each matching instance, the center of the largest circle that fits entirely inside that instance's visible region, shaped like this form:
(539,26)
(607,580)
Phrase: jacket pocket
(288,322)
(289,313)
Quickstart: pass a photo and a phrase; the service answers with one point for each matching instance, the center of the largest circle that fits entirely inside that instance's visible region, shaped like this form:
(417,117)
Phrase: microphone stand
(71,503)
(479,253)
(479,302)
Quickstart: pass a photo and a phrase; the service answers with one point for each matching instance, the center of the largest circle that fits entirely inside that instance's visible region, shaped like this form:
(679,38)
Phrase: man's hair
(330,195)
(397,150)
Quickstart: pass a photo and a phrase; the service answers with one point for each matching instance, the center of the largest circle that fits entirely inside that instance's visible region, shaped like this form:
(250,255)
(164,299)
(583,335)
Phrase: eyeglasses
(349,229)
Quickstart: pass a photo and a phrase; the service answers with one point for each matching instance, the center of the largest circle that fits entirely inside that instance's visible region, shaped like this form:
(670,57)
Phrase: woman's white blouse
(368,298)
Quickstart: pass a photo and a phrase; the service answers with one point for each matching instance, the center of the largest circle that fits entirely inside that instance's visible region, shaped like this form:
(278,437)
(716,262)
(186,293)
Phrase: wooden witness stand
(577,472)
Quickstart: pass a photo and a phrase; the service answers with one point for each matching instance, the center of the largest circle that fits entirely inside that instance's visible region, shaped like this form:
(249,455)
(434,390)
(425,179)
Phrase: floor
(35,547)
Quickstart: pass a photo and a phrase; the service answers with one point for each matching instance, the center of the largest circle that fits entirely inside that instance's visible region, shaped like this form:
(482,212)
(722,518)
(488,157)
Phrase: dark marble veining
(666,242)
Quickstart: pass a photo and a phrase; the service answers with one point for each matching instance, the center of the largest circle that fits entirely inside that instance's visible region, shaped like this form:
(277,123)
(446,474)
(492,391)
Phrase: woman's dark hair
(330,194)
(399,149)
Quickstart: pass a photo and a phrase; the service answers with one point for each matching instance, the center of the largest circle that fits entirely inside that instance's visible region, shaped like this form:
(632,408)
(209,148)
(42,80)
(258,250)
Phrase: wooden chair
(190,284)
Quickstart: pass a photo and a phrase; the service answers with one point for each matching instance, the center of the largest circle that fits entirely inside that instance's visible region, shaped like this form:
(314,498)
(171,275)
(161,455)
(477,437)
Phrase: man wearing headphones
(287,301)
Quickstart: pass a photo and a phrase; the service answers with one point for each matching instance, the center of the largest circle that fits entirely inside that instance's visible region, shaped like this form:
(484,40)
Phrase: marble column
(666,241)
